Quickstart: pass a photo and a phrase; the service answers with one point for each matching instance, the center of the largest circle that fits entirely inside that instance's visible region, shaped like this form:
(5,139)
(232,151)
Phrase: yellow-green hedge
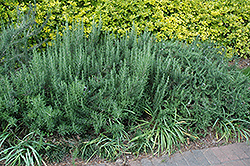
(224,21)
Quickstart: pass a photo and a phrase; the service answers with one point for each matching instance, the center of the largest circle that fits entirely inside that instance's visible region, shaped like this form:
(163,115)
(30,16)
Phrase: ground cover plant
(246,71)
(119,95)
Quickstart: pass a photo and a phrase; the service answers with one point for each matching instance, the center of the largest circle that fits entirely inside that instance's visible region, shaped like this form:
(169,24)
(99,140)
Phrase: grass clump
(22,151)
(125,94)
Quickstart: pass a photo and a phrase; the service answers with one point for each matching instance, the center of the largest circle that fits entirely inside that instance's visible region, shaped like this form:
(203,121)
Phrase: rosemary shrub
(15,37)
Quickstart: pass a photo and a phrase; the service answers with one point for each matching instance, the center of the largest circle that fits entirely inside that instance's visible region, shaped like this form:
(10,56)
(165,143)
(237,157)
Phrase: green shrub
(14,48)
(226,22)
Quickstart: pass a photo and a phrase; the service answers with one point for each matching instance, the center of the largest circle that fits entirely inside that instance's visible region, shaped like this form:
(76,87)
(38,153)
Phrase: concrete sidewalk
(237,154)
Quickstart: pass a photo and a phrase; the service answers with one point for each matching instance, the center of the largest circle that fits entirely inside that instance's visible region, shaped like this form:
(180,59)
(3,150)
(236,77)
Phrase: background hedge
(226,22)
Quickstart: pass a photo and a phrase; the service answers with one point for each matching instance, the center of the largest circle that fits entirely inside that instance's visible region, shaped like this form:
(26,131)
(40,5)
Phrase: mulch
(242,63)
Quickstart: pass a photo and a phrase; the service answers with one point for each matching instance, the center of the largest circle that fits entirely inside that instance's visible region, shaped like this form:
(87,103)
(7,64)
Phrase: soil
(243,63)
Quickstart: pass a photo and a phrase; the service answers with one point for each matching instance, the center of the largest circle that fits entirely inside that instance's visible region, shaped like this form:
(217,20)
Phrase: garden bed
(108,96)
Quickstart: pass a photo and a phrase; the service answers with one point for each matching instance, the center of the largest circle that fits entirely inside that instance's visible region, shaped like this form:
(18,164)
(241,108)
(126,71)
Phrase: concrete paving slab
(231,155)
(211,157)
